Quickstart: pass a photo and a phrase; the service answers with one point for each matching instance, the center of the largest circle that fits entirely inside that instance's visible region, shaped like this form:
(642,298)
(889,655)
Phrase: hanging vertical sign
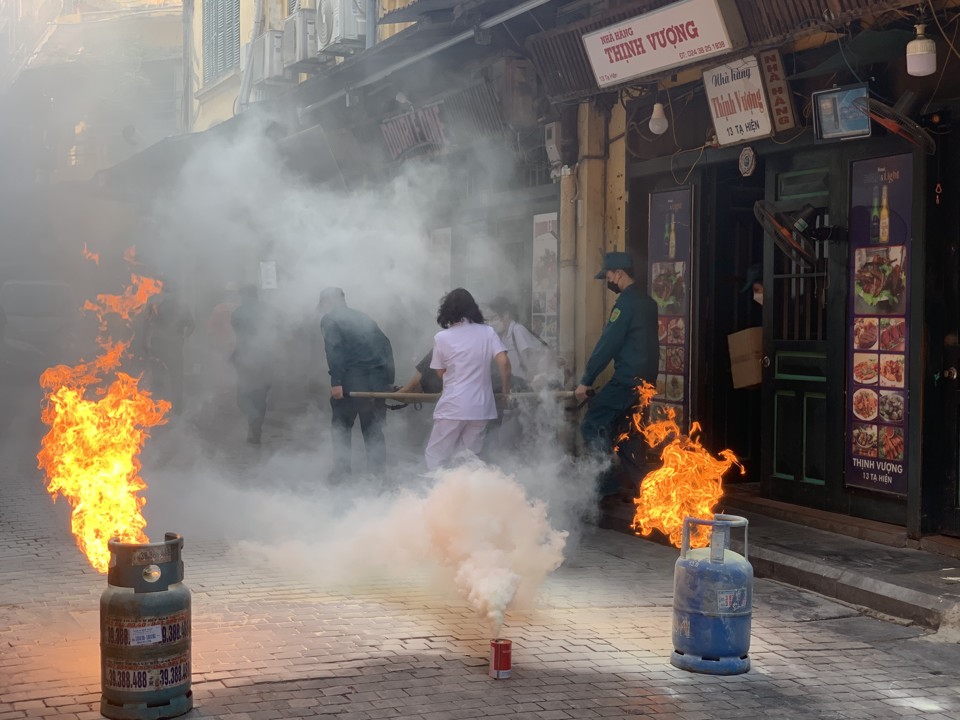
(545,278)
(778,91)
(668,252)
(877,396)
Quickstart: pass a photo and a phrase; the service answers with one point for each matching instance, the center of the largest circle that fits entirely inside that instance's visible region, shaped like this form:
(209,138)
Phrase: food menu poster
(545,278)
(668,255)
(879,334)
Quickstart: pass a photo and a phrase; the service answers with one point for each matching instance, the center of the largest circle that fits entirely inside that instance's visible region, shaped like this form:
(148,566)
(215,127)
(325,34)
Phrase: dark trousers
(252,399)
(167,379)
(373,416)
(604,412)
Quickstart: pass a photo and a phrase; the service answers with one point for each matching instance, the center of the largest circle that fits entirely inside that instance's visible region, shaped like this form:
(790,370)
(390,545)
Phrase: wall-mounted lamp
(921,54)
(658,120)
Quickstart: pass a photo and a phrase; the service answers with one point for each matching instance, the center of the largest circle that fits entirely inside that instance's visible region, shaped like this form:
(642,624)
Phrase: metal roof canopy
(400,51)
(866,48)
(418,9)
(159,166)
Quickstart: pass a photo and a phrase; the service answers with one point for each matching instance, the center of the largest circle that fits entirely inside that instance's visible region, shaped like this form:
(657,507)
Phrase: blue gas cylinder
(712,600)
(145,632)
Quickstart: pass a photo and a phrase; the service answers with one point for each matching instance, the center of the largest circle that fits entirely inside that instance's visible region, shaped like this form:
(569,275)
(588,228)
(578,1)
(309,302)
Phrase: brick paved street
(271,644)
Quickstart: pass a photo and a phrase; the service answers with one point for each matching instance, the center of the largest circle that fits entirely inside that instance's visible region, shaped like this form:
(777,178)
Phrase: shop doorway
(944,500)
(732,264)
(804,338)
(950,523)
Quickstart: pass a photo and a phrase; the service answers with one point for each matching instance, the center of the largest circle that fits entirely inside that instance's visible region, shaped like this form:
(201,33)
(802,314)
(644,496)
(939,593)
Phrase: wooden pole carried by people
(413,397)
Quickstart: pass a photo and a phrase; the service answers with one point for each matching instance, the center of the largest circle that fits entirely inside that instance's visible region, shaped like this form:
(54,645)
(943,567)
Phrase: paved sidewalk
(272,645)
(268,645)
(915,585)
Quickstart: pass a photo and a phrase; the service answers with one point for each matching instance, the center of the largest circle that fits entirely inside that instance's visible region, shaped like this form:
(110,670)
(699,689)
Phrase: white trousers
(449,437)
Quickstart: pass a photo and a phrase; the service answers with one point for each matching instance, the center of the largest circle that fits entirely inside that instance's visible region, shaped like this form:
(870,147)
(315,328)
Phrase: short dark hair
(330,296)
(501,306)
(458,305)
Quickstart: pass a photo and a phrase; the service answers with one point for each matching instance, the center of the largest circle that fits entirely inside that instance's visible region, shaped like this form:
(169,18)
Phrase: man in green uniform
(629,339)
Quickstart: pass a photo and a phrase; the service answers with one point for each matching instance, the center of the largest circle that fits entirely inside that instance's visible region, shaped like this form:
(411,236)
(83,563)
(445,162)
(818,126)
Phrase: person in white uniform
(462,355)
(521,344)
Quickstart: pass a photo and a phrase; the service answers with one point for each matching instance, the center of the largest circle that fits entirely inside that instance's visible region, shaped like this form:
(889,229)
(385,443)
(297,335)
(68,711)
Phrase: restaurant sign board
(679,34)
(738,102)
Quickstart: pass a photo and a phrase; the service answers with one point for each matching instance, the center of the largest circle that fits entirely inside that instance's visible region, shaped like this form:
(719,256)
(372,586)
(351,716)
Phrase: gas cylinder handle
(719,520)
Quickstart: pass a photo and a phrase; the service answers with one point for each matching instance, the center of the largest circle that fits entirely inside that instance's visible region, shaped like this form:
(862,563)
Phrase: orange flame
(134,299)
(88,255)
(90,455)
(687,484)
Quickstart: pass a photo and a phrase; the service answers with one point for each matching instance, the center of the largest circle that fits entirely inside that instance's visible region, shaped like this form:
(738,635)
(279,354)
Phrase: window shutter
(209,41)
(221,36)
(233,36)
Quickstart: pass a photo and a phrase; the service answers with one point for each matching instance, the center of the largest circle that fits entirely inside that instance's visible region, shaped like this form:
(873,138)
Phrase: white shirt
(518,340)
(464,352)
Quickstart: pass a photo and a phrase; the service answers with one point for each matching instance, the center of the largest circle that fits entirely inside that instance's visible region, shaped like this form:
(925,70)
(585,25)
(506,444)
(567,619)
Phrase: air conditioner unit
(268,58)
(341,25)
(299,37)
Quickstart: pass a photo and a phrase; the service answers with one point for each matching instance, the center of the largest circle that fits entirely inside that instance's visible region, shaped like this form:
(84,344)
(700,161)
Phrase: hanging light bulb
(658,120)
(921,54)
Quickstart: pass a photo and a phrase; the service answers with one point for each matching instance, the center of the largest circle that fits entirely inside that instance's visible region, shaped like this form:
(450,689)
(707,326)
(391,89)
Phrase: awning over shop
(323,156)
(428,37)
(142,176)
(867,48)
(418,9)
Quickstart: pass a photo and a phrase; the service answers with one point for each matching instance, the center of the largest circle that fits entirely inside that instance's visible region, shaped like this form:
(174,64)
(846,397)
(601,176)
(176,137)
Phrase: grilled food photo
(893,334)
(865,332)
(891,443)
(866,367)
(879,279)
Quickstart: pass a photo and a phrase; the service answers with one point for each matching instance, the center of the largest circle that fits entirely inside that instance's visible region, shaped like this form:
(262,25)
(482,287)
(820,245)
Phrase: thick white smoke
(475,529)
(492,535)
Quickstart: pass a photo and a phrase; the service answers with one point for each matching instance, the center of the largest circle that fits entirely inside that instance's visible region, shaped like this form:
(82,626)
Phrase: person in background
(360,359)
(3,327)
(754,283)
(221,342)
(219,325)
(167,326)
(523,347)
(629,339)
(425,378)
(251,357)
(462,354)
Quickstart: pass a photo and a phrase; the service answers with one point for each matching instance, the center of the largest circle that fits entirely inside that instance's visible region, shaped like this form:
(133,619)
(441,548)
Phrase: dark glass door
(946,500)
(797,367)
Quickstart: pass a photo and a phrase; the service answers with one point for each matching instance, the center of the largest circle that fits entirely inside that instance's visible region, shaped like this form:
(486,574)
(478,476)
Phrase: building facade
(733,148)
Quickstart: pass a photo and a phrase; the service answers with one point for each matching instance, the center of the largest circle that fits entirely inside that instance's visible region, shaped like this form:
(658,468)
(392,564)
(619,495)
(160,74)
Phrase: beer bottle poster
(668,253)
(877,340)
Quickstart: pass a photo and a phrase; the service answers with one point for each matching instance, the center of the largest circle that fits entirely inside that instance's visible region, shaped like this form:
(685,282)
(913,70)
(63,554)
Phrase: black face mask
(613,287)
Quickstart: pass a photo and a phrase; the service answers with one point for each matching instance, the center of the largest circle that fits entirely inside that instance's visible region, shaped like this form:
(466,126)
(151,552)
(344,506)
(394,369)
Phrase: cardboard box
(746,353)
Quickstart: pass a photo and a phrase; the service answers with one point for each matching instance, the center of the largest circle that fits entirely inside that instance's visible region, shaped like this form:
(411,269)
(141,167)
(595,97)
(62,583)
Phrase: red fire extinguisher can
(500,652)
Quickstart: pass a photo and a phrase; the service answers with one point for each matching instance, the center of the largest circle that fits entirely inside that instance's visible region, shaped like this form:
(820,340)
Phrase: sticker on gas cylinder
(681,626)
(152,555)
(732,600)
(144,676)
(158,630)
